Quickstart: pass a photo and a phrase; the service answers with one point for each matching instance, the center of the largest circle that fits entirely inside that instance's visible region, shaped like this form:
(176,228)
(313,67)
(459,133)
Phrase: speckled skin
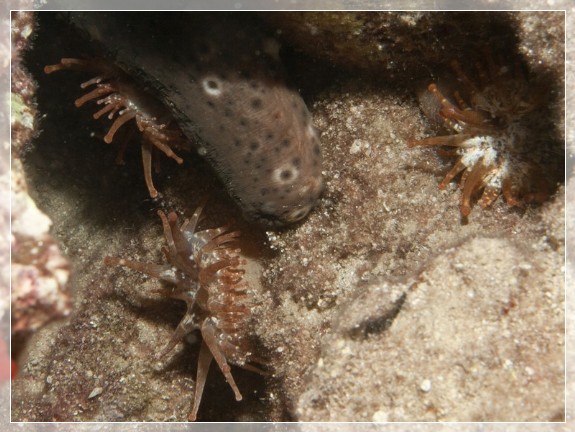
(222,77)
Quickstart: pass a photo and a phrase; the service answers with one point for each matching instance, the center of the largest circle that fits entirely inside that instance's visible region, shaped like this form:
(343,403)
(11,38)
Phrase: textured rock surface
(39,271)
(467,345)
(355,286)
(401,45)
(385,228)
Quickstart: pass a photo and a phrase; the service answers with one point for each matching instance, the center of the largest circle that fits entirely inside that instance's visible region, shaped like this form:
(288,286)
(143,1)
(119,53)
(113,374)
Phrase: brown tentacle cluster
(122,98)
(490,137)
(208,275)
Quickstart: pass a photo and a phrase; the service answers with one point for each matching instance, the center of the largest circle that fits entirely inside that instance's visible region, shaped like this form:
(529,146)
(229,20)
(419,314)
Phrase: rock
(479,333)
(39,270)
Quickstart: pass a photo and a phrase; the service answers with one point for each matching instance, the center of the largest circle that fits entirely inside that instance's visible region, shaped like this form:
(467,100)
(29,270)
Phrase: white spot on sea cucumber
(285,174)
(212,86)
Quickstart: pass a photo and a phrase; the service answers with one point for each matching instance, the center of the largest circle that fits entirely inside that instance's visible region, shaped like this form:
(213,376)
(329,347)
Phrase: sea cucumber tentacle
(122,98)
(489,137)
(206,271)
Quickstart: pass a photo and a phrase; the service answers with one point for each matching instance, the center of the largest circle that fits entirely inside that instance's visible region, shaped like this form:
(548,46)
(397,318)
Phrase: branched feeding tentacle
(489,137)
(124,101)
(207,273)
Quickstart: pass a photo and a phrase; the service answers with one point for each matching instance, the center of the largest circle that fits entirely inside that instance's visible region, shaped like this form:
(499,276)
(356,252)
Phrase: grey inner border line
(5,8)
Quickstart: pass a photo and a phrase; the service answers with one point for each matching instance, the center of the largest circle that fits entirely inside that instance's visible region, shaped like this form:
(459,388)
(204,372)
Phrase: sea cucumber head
(275,166)
(259,136)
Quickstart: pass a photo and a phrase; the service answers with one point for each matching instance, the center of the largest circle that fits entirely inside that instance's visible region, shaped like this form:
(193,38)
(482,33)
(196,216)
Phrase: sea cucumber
(223,80)
(496,153)
(206,272)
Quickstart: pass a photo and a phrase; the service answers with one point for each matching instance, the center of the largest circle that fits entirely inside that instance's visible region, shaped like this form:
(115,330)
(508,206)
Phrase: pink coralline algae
(39,277)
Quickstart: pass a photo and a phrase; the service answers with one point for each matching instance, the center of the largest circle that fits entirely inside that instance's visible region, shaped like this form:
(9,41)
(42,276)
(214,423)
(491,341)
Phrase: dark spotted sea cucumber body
(221,75)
